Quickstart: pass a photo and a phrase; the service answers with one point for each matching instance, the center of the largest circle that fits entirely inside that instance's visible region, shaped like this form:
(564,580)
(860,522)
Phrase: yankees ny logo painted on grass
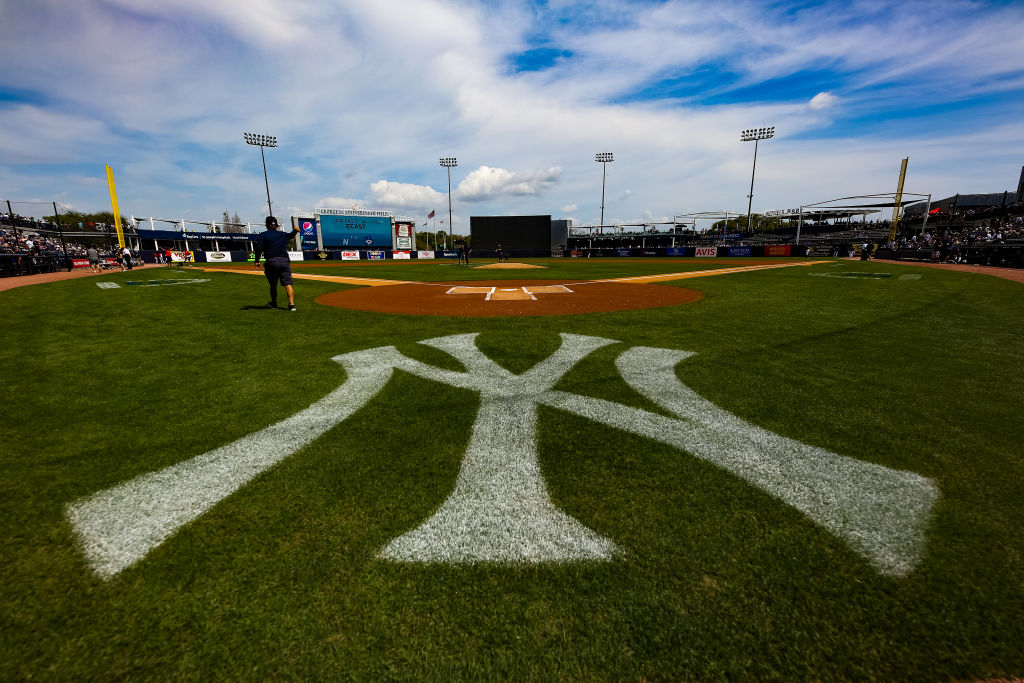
(500,510)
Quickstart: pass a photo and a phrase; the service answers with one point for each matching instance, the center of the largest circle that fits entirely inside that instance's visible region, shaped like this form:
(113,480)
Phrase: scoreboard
(525,235)
(355,231)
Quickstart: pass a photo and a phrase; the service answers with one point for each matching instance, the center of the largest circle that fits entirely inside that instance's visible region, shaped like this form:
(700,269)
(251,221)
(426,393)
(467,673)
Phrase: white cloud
(822,100)
(486,183)
(569,208)
(404,195)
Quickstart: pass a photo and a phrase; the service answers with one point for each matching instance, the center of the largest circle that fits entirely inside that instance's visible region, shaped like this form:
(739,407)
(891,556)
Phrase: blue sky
(364,97)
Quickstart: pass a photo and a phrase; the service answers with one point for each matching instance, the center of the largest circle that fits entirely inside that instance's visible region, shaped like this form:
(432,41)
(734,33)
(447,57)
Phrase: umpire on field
(274,244)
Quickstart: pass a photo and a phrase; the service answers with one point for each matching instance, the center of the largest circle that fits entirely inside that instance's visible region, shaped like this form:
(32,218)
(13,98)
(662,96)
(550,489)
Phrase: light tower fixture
(755,134)
(449,163)
(262,141)
(603,158)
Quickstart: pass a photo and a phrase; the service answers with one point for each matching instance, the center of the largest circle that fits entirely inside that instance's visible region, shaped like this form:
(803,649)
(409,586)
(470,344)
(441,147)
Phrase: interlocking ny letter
(500,510)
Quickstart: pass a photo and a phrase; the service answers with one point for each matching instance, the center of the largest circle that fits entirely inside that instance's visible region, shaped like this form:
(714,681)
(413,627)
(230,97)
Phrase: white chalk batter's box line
(513,293)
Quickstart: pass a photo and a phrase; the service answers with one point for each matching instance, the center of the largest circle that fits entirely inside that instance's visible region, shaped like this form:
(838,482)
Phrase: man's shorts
(278,269)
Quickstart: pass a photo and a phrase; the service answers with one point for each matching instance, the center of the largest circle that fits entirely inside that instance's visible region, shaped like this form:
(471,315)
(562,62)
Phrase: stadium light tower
(754,134)
(449,163)
(263,141)
(603,158)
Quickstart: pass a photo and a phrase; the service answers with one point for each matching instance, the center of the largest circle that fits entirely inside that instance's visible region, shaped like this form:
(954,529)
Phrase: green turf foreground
(916,370)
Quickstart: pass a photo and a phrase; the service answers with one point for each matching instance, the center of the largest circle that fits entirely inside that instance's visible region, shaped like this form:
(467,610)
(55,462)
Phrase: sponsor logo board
(401,255)
(349,256)
(424,254)
(218,256)
(740,251)
(295,255)
(375,255)
(181,256)
(705,252)
(776,249)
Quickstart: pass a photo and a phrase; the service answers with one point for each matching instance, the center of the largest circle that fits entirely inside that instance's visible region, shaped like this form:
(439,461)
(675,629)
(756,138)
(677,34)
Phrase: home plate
(525,293)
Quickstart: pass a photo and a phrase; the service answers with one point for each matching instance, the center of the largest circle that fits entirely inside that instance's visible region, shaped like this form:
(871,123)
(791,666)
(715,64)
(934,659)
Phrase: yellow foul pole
(899,199)
(113,203)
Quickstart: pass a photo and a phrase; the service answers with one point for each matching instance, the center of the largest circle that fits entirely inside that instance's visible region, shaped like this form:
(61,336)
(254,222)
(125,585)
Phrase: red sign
(706,251)
(776,249)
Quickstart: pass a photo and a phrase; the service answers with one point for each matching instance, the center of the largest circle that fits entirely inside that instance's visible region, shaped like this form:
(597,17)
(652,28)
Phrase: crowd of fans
(24,253)
(950,245)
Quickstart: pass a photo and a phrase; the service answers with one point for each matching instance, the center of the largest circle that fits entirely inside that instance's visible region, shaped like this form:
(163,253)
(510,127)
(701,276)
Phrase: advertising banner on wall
(181,256)
(740,251)
(376,255)
(295,255)
(218,256)
(404,234)
(350,256)
(776,250)
(424,254)
(401,255)
(623,252)
(675,251)
(706,252)
(307,233)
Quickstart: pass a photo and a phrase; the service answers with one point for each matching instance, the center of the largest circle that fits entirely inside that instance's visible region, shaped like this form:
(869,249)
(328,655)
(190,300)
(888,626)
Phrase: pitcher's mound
(510,266)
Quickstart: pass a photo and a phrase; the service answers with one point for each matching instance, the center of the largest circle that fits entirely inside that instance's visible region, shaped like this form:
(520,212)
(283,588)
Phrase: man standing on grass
(274,244)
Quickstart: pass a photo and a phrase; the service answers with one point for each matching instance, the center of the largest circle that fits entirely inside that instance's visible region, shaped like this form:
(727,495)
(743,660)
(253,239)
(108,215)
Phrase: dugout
(519,236)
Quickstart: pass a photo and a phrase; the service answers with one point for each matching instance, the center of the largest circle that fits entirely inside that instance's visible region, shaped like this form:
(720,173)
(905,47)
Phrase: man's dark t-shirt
(273,243)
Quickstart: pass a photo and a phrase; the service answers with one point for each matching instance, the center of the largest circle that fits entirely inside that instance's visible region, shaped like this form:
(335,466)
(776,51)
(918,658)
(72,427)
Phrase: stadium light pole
(449,163)
(262,141)
(603,158)
(755,134)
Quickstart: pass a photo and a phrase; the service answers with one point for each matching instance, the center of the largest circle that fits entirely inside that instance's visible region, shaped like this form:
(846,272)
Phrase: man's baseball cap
(271,222)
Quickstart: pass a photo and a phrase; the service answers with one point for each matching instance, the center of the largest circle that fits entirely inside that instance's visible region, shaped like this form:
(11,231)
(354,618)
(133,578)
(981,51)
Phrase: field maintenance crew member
(274,244)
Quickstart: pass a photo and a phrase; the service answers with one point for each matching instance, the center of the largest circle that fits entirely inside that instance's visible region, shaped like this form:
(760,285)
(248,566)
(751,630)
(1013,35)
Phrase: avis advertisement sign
(181,256)
(706,252)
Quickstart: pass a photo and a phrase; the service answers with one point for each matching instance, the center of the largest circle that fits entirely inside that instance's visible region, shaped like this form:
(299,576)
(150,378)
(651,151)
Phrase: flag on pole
(431,214)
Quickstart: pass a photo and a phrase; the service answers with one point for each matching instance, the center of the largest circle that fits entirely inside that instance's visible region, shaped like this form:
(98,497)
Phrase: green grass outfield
(714,578)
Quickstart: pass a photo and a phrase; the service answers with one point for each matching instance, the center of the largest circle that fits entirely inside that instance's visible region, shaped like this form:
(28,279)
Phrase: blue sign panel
(623,252)
(675,251)
(375,255)
(307,231)
(356,231)
(740,251)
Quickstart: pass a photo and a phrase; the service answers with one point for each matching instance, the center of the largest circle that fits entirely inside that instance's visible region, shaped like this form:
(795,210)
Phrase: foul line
(664,277)
(639,279)
(343,279)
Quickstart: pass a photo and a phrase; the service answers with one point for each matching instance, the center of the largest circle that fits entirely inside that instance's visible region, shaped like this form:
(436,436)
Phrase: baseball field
(664,469)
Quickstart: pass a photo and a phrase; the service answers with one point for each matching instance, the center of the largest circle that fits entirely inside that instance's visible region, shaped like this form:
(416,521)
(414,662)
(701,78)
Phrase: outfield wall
(199,256)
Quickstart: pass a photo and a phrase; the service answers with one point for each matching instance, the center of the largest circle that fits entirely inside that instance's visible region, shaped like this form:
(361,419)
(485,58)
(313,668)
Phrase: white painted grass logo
(500,510)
